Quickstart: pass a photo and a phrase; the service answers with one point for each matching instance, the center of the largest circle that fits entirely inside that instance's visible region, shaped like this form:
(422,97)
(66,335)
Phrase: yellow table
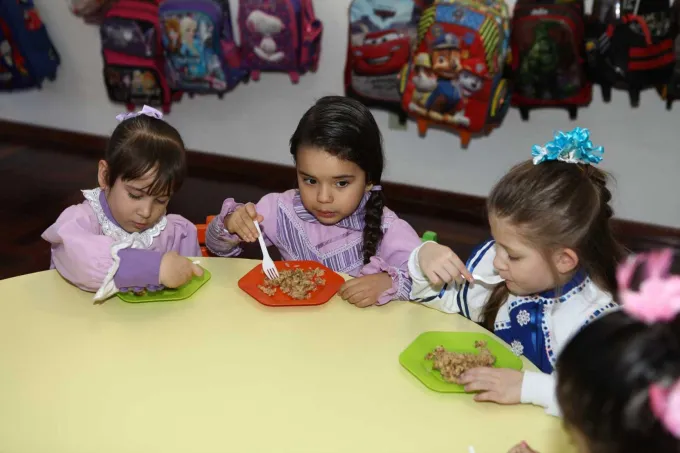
(221,373)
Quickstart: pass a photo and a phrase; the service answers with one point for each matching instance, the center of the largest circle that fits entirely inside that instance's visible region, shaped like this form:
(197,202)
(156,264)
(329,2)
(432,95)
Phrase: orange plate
(249,283)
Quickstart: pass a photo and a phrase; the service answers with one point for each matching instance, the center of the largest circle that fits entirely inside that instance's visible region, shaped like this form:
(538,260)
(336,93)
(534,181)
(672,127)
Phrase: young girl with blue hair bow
(555,252)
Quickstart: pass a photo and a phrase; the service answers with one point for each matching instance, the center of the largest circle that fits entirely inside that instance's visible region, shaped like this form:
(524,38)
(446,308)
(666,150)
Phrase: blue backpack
(198,41)
(27,56)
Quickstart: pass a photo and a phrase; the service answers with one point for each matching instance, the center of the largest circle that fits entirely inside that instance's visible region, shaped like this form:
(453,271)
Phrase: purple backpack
(279,35)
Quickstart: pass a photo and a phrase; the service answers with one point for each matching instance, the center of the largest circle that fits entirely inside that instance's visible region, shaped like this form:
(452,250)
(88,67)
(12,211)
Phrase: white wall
(641,144)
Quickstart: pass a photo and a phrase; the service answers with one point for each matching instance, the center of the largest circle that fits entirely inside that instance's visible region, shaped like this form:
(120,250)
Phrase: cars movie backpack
(548,56)
(631,46)
(27,56)
(381,35)
(201,56)
(279,35)
(134,65)
(455,76)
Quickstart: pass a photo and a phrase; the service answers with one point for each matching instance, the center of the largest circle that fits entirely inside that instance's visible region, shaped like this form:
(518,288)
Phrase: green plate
(183,292)
(413,357)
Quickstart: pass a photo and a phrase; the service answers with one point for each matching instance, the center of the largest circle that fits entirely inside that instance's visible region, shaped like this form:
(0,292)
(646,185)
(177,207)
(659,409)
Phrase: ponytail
(373,219)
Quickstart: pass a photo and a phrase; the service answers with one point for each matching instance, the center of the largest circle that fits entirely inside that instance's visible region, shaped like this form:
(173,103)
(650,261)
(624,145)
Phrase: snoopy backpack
(279,36)
(455,76)
(381,36)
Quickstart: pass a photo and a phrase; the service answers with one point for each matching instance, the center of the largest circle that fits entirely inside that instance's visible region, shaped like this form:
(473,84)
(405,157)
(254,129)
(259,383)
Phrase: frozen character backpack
(279,35)
(134,64)
(631,45)
(548,56)
(455,76)
(27,55)
(381,35)
(201,56)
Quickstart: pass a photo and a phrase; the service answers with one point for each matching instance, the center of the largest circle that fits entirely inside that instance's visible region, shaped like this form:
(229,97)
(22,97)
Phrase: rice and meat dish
(452,365)
(296,283)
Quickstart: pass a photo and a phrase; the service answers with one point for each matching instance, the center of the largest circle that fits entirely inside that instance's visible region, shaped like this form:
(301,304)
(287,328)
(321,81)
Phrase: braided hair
(346,129)
(558,204)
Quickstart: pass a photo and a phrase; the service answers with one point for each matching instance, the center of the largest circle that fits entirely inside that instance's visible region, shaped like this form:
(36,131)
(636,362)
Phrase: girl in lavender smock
(120,237)
(337,216)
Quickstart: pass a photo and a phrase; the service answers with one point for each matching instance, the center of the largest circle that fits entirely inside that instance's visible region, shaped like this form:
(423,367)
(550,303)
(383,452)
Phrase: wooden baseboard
(274,177)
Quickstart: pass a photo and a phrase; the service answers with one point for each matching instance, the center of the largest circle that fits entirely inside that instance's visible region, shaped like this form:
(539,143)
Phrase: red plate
(250,282)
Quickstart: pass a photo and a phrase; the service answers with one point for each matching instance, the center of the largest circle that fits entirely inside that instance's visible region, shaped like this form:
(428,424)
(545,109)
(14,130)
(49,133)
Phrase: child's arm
(398,242)
(185,236)
(96,263)
(443,266)
(223,243)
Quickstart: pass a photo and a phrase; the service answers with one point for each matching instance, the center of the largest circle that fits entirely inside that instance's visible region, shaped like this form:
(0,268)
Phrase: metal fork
(267,263)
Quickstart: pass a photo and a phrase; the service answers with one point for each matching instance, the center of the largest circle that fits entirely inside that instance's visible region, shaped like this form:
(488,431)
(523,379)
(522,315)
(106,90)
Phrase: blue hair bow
(574,147)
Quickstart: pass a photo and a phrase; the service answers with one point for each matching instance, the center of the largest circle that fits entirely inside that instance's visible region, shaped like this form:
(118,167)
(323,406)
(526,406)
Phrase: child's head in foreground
(143,166)
(550,218)
(619,378)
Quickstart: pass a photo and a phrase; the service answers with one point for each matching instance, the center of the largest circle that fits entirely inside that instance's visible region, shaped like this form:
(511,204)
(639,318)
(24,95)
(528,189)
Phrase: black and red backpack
(631,45)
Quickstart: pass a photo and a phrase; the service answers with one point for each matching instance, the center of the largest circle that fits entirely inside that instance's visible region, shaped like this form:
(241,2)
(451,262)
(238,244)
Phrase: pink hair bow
(665,404)
(658,298)
(146,110)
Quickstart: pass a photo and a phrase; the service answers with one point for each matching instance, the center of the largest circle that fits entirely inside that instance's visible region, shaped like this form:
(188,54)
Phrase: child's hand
(499,385)
(522,448)
(177,270)
(441,265)
(241,222)
(365,291)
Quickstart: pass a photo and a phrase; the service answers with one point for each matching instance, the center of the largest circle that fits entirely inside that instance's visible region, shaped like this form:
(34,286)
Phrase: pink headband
(146,110)
(657,300)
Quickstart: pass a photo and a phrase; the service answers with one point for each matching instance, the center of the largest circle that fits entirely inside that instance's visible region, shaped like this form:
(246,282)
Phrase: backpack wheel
(191,95)
(130,107)
(255,75)
(669,104)
(573,112)
(422,127)
(524,113)
(403,117)
(220,95)
(606,92)
(634,95)
(465,137)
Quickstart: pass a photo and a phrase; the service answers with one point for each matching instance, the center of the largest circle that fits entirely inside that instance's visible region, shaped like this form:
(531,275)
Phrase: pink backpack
(134,65)
(279,35)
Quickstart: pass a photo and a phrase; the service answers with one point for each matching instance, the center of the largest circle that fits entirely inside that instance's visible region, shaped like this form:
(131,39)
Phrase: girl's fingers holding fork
(252,212)
(245,228)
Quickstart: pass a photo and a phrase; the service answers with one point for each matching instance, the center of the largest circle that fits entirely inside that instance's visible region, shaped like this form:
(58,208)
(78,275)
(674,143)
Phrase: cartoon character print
(171,37)
(381,52)
(11,58)
(268,26)
(189,42)
(424,81)
(32,20)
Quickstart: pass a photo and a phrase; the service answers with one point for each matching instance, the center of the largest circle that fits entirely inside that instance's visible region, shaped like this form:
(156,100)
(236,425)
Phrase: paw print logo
(517,347)
(523,318)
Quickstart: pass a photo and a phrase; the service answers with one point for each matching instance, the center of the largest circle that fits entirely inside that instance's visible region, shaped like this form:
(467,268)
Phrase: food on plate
(137,291)
(452,365)
(296,283)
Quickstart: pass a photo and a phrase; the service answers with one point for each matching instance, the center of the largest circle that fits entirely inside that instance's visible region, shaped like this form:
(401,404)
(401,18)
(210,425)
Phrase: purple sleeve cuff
(138,269)
(217,239)
(401,282)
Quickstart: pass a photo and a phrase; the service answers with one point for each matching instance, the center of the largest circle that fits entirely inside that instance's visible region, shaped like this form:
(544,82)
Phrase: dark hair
(142,143)
(604,374)
(558,204)
(345,128)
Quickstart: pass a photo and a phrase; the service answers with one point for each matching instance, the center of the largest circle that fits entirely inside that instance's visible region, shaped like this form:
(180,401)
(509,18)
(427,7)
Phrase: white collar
(110,229)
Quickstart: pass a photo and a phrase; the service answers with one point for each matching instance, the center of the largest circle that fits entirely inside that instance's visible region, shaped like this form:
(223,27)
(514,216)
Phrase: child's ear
(103,174)
(566,260)
(368,188)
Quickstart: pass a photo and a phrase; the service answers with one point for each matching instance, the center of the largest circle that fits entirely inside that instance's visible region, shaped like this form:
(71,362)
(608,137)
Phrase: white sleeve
(468,299)
(540,389)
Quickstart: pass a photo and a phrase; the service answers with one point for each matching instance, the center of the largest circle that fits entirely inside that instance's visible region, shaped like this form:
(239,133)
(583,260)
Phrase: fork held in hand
(267,263)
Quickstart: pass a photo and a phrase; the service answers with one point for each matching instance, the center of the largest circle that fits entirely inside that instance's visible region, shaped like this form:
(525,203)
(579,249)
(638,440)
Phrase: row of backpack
(27,56)
(154,51)
(460,64)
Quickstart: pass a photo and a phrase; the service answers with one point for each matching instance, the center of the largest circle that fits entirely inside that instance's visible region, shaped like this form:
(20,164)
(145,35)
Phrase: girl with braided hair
(337,216)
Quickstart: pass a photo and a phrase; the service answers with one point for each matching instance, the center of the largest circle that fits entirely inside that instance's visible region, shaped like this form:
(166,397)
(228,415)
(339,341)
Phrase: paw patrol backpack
(279,36)
(548,56)
(199,47)
(455,76)
(631,46)
(381,35)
